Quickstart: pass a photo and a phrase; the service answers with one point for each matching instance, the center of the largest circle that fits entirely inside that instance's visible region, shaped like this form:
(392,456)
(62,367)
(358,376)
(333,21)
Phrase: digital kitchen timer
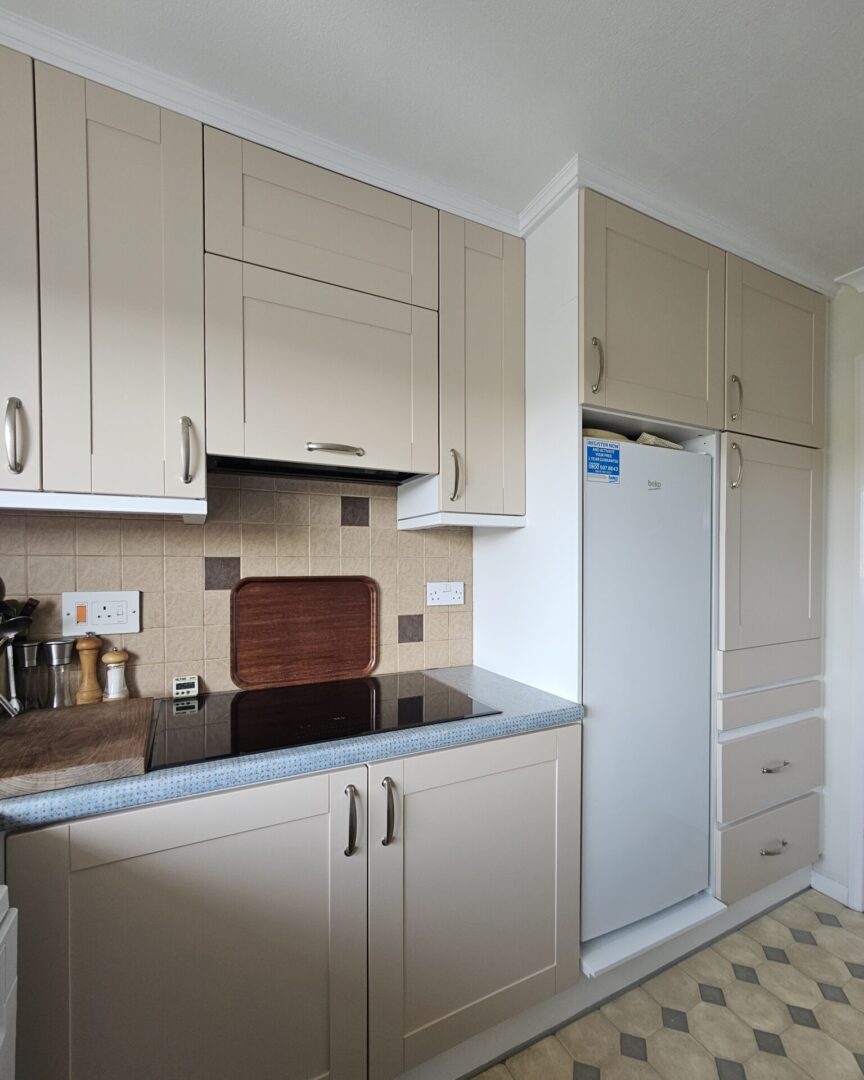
(185,686)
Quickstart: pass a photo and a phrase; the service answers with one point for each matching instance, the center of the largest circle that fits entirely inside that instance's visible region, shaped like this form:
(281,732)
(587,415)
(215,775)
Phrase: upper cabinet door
(651,340)
(302,371)
(20,466)
(482,327)
(770,543)
(268,208)
(775,356)
(121,243)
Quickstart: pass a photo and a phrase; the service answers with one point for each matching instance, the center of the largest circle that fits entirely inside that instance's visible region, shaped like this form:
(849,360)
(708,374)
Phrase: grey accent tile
(730,1070)
(745,974)
(712,994)
(410,628)
(855,970)
(585,1072)
(634,1046)
(827,919)
(355,511)
(804,937)
(769,1042)
(221,572)
(804,1017)
(833,993)
(674,1019)
(859,1060)
(777,955)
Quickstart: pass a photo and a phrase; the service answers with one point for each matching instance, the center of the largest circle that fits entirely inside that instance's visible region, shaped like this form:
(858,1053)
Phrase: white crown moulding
(855,279)
(62,50)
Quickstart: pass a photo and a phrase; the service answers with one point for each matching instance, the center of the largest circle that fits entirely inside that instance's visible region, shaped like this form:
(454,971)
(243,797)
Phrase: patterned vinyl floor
(780,999)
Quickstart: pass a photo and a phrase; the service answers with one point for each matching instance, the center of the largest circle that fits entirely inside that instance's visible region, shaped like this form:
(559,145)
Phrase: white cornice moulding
(54,47)
(581,173)
(855,278)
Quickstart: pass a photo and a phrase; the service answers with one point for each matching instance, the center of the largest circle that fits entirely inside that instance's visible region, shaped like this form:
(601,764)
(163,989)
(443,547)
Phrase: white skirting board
(829,887)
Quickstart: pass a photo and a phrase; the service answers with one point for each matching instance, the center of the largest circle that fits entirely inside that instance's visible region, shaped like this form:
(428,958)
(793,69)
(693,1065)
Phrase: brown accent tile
(183,539)
(221,572)
(410,628)
(355,511)
(98,536)
(146,573)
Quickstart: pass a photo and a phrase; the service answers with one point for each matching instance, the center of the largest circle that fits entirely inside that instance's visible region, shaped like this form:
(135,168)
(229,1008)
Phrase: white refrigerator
(646,655)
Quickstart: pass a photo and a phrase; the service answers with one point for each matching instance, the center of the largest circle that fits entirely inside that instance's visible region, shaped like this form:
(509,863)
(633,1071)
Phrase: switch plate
(101,613)
(445,593)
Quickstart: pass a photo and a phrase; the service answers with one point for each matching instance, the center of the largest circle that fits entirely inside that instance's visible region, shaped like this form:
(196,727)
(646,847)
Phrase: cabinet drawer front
(748,669)
(267,208)
(792,756)
(738,712)
(791,830)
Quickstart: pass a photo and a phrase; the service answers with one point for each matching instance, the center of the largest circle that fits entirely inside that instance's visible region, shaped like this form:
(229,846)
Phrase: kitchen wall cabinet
(120,242)
(481,473)
(474,902)
(770,543)
(651,317)
(20,464)
(295,366)
(207,939)
(775,356)
(267,208)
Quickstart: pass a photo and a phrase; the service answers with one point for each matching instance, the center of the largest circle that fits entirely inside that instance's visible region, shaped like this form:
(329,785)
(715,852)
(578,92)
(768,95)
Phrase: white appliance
(8,984)
(646,658)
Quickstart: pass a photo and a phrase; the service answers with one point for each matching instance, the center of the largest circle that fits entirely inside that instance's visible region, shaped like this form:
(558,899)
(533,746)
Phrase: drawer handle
(775,766)
(736,414)
(185,449)
(456,477)
(335,448)
(10,433)
(388,786)
(351,792)
(775,850)
(601,364)
(736,483)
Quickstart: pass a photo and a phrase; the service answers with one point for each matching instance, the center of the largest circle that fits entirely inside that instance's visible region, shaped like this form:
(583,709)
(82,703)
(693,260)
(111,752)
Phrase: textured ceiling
(751,111)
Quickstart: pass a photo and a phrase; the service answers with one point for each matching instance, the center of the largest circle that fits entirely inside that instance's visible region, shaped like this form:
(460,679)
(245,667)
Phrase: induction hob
(254,721)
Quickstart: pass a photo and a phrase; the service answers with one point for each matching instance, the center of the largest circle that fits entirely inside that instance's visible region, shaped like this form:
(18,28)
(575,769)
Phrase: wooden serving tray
(56,748)
(289,630)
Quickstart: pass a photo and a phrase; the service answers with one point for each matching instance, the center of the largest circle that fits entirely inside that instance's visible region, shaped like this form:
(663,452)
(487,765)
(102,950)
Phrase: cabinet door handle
(351,792)
(456,475)
(335,448)
(736,483)
(10,431)
(735,414)
(388,785)
(601,364)
(775,766)
(778,850)
(185,449)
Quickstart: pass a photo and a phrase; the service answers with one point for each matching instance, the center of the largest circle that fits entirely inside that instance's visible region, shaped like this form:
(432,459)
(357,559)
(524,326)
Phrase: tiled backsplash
(255,526)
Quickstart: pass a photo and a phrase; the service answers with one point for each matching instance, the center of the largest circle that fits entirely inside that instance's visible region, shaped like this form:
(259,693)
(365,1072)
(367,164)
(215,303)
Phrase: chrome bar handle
(351,792)
(736,415)
(736,483)
(781,845)
(775,766)
(10,431)
(389,786)
(185,449)
(601,364)
(335,448)
(456,475)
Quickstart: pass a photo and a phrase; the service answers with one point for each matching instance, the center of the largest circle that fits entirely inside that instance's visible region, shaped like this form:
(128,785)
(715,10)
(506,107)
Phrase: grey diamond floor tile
(827,919)
(859,1058)
(745,973)
(804,1017)
(777,955)
(856,970)
(769,1042)
(634,1046)
(675,1019)
(804,937)
(730,1070)
(712,994)
(585,1072)
(833,993)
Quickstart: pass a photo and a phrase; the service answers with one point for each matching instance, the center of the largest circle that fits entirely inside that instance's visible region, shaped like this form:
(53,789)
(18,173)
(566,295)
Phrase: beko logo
(654,485)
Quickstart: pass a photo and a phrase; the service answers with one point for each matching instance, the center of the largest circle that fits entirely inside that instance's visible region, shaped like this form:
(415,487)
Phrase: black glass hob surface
(253,721)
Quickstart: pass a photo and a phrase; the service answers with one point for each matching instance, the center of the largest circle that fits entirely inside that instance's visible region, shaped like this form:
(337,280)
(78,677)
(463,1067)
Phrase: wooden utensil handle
(89,690)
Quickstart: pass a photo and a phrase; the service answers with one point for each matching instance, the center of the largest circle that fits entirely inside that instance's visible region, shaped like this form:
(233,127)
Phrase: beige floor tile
(819,1055)
(841,943)
(757,1006)
(739,948)
(787,983)
(768,931)
(851,920)
(497,1072)
(843,1024)
(820,902)
(677,1056)
(624,1068)
(635,1013)
(545,1060)
(673,988)
(773,1067)
(709,967)
(721,1032)
(818,964)
(854,990)
(592,1039)
(796,915)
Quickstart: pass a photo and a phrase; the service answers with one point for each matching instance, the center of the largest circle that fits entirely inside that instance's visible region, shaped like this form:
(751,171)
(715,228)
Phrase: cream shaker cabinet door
(473,891)
(482,328)
(775,356)
(770,543)
(651,340)
(20,464)
(265,207)
(207,939)
(121,241)
(300,371)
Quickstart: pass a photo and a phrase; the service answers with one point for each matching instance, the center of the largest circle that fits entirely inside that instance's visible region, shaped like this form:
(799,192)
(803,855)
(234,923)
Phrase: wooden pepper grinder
(89,689)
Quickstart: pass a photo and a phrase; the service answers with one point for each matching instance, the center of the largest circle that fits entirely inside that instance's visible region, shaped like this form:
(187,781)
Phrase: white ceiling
(749,111)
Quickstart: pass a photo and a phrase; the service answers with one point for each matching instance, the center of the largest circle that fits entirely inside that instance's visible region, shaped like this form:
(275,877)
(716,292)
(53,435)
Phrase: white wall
(844,709)
(526,581)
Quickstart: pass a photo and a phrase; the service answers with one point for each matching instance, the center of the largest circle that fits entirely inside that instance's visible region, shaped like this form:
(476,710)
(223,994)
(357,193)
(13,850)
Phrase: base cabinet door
(210,939)
(474,891)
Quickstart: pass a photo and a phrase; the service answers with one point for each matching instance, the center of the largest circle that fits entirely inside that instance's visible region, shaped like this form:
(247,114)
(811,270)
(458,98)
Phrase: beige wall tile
(292,508)
(325,509)
(461,568)
(411,656)
(222,480)
(324,540)
(98,536)
(184,573)
(152,610)
(323,565)
(184,608)
(222,538)
(100,573)
(183,667)
(437,654)
(410,572)
(291,483)
(256,483)
(292,565)
(50,573)
(47,618)
(257,565)
(437,569)
(462,542)
(256,506)
(293,540)
(217,607)
(388,630)
(50,535)
(355,541)
(461,625)
(383,569)
(223,504)
(184,643)
(146,680)
(436,542)
(143,572)
(217,641)
(182,539)
(382,513)
(410,599)
(436,625)
(13,572)
(142,537)
(411,545)
(257,539)
(217,675)
(461,652)
(354,567)
(383,491)
(148,647)
(388,659)
(12,534)
(384,541)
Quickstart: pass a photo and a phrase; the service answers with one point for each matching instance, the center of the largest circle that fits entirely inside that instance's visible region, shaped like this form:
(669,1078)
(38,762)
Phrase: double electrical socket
(101,613)
(445,593)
